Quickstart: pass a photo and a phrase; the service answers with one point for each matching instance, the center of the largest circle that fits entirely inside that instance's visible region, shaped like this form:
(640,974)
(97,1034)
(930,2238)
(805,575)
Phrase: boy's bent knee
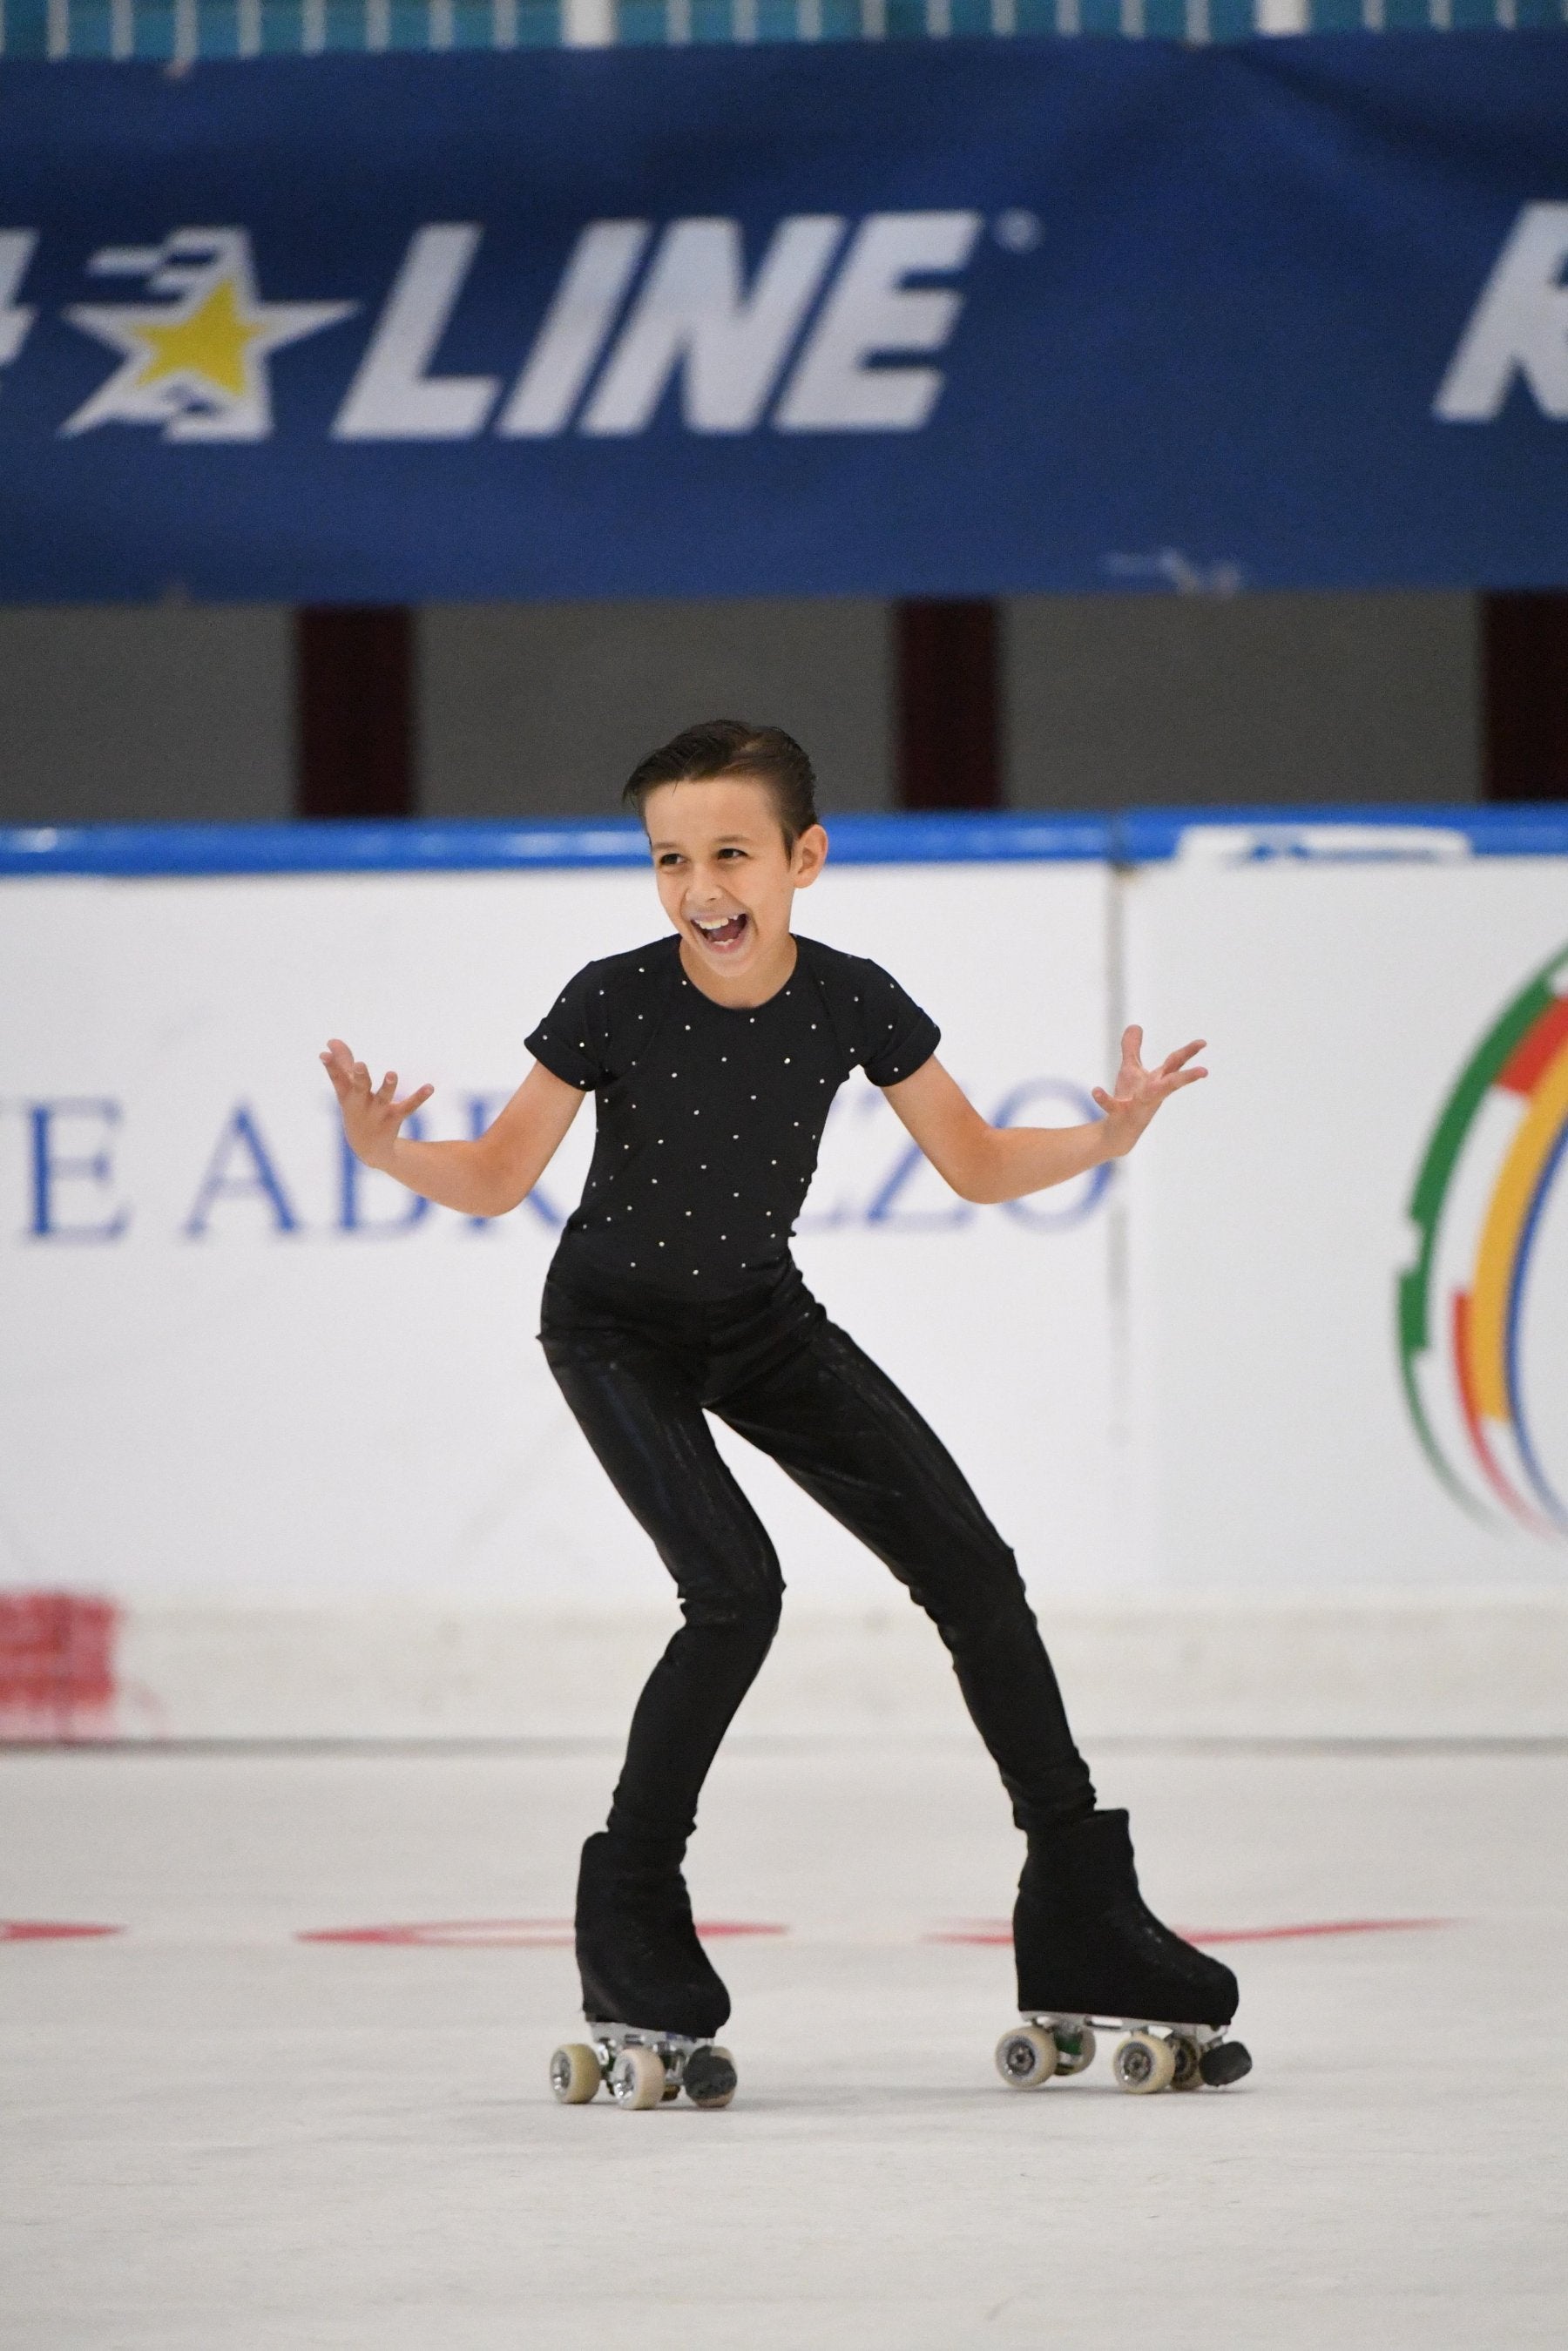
(983,1608)
(749,1615)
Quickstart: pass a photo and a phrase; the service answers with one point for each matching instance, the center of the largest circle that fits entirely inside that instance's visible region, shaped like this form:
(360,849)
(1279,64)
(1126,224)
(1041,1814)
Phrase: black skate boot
(1088,1946)
(650,1992)
(637,1949)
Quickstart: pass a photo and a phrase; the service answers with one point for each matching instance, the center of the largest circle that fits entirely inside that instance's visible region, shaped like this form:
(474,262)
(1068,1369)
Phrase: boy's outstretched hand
(371,1118)
(1139,1092)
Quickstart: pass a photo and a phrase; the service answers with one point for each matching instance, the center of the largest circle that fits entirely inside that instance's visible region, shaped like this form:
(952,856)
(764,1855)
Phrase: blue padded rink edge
(1335,833)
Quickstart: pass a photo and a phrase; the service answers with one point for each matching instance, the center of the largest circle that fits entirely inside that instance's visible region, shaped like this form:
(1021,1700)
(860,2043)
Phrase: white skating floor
(220,2136)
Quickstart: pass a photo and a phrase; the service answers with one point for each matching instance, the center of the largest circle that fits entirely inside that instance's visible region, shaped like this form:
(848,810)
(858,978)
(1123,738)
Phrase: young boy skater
(713,1055)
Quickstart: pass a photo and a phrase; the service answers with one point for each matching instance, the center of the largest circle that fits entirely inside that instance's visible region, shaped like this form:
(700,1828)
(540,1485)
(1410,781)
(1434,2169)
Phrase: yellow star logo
(195,361)
(212,344)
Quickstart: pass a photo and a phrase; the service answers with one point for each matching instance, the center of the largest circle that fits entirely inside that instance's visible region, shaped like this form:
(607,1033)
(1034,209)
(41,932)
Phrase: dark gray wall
(1119,699)
(146,714)
(549,707)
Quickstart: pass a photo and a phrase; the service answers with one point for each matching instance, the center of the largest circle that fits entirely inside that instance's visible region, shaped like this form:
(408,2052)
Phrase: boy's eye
(669,857)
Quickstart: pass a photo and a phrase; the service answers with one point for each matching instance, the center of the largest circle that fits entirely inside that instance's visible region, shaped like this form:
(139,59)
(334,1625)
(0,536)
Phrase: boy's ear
(810,856)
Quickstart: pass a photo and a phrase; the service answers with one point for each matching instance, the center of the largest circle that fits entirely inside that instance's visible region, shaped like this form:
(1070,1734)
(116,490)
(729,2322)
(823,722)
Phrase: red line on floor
(1324,1927)
(49,1930)
(495,1934)
(454,1934)
(997,1930)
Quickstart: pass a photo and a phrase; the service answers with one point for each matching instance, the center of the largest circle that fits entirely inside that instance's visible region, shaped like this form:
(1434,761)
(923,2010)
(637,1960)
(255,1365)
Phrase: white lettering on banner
(872,313)
(17,246)
(694,314)
(392,398)
(576,328)
(1519,327)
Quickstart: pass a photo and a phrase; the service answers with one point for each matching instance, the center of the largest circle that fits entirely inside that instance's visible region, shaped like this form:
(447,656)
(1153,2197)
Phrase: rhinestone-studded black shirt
(710,1116)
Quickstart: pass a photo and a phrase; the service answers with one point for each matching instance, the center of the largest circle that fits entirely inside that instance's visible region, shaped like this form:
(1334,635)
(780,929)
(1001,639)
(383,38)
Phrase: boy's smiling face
(727,882)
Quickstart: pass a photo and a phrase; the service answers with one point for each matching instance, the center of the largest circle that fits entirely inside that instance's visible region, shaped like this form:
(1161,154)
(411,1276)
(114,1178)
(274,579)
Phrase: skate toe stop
(710,2077)
(1225,2063)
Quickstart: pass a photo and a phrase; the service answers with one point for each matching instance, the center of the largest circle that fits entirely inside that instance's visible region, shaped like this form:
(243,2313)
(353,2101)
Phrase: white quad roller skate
(638,1953)
(642,2069)
(1091,1952)
(1153,2057)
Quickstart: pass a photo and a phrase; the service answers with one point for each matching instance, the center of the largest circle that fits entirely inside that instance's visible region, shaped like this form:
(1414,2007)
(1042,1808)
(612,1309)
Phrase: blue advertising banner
(946,319)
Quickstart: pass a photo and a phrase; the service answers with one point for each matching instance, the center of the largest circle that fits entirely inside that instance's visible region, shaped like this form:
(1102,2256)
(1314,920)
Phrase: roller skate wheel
(637,2079)
(1188,2075)
(1074,2051)
(1026,2058)
(574,2073)
(1143,2064)
(711,2079)
(1224,2062)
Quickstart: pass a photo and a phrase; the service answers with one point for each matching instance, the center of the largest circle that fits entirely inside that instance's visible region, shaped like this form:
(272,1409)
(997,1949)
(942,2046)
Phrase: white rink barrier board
(252,1366)
(1294,1379)
(1349,1271)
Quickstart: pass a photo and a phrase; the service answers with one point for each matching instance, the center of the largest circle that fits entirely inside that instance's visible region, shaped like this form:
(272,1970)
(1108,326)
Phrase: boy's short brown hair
(729,746)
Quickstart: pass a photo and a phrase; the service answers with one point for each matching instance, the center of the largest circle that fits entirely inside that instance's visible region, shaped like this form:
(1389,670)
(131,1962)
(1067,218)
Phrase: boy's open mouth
(727,933)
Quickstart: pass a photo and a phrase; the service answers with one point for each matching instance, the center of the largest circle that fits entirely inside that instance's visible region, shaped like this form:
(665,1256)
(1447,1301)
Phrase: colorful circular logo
(1478,1209)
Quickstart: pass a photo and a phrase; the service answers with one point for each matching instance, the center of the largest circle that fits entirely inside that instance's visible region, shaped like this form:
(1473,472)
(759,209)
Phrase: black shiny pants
(639,1373)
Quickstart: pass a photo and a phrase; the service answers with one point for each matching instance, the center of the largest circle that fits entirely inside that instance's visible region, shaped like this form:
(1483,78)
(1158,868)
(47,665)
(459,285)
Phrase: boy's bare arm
(985,1163)
(482,1178)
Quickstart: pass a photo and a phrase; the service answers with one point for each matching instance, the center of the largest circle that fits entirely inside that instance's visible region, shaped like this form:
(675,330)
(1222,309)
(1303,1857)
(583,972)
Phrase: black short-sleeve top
(709,1116)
